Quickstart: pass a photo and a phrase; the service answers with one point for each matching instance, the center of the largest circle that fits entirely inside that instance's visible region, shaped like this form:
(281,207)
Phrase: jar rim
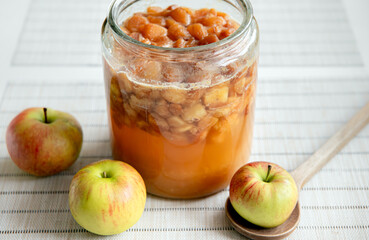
(246,22)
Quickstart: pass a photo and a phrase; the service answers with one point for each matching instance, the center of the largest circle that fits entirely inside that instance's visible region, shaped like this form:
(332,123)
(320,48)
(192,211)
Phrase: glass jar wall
(183,117)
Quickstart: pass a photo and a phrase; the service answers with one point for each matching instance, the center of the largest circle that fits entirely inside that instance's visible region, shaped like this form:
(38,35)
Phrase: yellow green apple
(44,141)
(263,193)
(107,197)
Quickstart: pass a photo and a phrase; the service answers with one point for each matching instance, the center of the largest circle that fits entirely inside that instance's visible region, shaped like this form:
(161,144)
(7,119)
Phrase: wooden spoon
(302,174)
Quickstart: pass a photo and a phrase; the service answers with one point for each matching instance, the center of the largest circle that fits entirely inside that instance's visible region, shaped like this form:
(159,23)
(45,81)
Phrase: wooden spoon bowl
(252,231)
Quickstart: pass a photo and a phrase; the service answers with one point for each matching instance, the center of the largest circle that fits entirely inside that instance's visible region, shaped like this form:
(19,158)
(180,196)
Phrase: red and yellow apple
(107,197)
(263,193)
(44,141)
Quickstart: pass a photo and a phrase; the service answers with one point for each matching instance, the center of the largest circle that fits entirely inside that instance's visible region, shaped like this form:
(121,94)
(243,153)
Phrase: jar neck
(214,51)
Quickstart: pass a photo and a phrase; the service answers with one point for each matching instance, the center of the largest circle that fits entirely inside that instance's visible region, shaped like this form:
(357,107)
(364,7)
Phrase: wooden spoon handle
(303,173)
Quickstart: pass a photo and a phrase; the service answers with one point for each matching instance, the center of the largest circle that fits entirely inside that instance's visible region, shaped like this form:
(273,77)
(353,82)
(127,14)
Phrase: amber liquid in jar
(186,127)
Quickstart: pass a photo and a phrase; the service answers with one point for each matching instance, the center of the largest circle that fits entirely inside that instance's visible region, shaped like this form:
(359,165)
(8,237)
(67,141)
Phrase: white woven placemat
(320,84)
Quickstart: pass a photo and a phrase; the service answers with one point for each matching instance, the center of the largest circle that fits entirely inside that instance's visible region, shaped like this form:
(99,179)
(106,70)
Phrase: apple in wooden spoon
(263,193)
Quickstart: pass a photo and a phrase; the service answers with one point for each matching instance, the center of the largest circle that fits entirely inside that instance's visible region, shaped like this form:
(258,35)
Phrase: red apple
(44,141)
(263,193)
(107,197)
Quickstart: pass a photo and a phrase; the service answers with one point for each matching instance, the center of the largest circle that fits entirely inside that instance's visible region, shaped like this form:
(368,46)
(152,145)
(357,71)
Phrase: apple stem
(45,114)
(267,176)
(104,174)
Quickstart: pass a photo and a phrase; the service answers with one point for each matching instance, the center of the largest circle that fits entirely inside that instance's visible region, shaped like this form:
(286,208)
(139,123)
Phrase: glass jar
(183,117)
